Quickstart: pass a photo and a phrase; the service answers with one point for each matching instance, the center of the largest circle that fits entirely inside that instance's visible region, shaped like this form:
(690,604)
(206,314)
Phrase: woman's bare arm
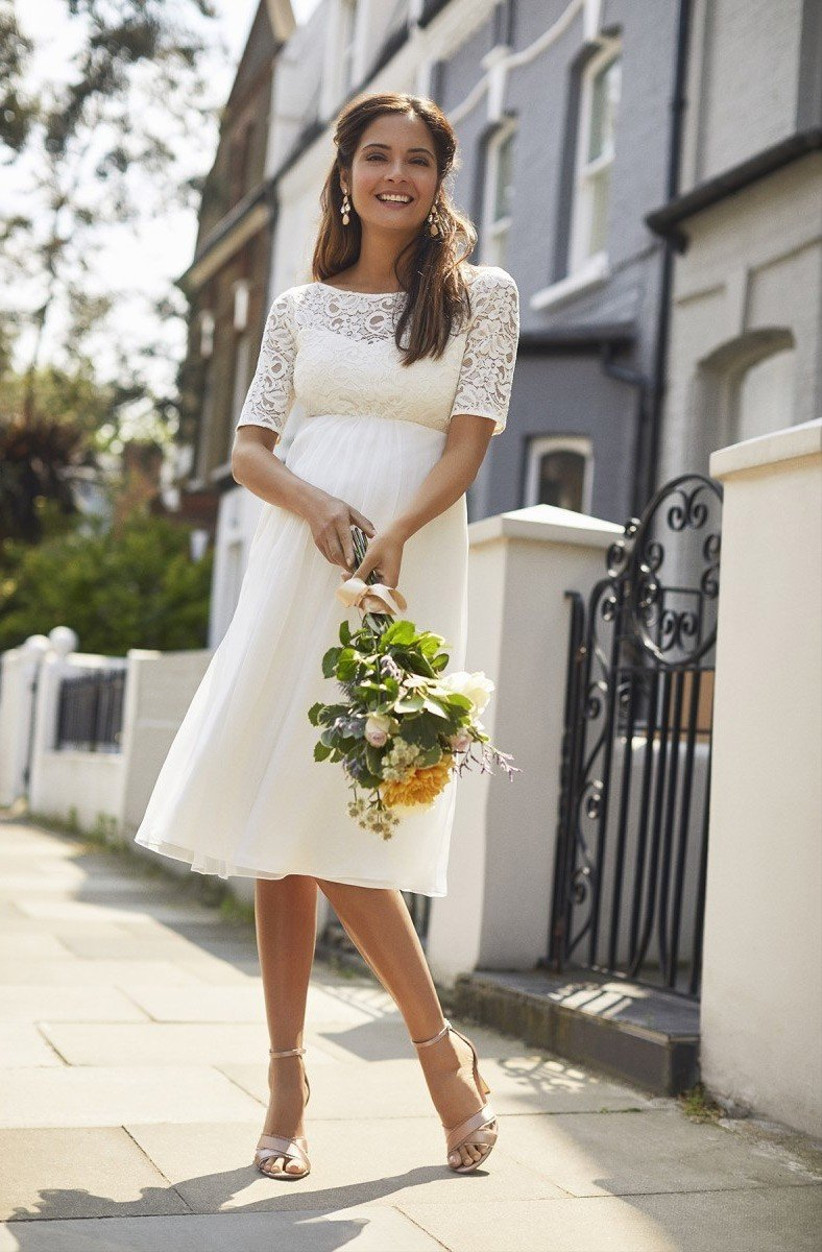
(465,447)
(255,467)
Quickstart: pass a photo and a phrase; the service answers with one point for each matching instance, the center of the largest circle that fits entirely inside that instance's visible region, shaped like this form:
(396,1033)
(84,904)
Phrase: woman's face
(395,156)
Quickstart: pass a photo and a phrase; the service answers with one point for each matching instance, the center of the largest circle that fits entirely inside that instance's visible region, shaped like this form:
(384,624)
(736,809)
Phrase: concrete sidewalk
(134,1087)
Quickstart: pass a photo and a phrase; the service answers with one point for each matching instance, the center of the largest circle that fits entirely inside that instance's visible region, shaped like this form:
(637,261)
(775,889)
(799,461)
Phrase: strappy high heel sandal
(480,1130)
(293,1149)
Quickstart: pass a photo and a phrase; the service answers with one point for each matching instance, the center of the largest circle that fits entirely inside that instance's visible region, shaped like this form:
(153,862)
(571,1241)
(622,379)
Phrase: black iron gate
(629,881)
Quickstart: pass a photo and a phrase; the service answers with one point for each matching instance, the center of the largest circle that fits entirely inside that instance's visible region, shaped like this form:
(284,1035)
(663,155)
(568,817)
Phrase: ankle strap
(423,1043)
(288,1052)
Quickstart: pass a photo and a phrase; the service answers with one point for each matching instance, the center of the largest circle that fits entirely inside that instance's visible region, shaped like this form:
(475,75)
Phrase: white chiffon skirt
(239,793)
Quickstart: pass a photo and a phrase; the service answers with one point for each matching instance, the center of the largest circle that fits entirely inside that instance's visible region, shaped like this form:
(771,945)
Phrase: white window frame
(495,230)
(242,374)
(241,289)
(348,49)
(542,445)
(581,260)
(207,324)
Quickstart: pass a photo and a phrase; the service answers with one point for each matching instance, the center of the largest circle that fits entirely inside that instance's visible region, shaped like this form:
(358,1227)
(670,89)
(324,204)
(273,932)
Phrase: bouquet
(403,727)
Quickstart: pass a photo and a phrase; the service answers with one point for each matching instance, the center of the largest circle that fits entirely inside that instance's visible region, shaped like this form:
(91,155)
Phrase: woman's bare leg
(379,923)
(285,913)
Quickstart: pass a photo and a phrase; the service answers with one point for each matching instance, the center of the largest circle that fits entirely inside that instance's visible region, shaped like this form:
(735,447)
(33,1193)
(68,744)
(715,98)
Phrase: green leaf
(345,631)
(314,712)
(330,662)
(409,704)
(401,632)
(461,702)
(373,759)
(420,731)
(321,751)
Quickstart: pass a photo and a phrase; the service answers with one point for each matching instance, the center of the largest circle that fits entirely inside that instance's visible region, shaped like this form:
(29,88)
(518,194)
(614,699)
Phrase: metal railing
(90,711)
(631,840)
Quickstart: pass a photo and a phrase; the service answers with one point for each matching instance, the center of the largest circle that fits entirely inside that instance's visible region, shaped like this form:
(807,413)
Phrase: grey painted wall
(564,392)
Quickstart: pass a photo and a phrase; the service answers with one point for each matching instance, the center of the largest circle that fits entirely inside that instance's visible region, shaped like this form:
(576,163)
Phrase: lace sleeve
(487,371)
(271,393)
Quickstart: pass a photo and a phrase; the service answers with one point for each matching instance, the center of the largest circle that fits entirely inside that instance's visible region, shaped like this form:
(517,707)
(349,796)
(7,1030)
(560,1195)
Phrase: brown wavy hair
(438,298)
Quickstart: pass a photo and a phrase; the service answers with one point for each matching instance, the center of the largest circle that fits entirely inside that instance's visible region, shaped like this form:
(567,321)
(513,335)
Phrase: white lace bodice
(334,352)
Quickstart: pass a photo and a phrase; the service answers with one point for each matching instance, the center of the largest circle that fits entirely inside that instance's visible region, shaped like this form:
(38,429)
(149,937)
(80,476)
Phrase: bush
(133,587)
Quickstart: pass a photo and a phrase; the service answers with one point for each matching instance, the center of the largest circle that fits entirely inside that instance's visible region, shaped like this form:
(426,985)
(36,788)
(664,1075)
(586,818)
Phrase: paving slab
(376,1228)
(113,1095)
(33,946)
(22,1044)
(241,1003)
(132,1013)
(67,1004)
(589,1154)
(120,975)
(211,1166)
(766,1220)
(97,942)
(529,1084)
(165,1043)
(99,1172)
(51,911)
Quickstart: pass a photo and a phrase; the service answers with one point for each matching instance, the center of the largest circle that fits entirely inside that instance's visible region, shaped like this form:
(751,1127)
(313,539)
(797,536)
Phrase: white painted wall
(159,690)
(19,671)
(749,283)
(500,876)
(761,1019)
(67,782)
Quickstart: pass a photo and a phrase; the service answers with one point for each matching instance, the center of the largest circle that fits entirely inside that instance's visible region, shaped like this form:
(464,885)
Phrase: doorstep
(643,1035)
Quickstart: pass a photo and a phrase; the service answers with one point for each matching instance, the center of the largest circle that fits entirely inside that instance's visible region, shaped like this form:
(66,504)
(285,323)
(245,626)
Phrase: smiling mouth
(399,203)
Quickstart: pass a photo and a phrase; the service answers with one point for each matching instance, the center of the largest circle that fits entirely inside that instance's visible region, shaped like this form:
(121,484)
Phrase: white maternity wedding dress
(239,793)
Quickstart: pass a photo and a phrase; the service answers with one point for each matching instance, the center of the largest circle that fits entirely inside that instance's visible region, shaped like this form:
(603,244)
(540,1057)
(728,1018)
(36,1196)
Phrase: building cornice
(248,216)
(581,337)
(667,221)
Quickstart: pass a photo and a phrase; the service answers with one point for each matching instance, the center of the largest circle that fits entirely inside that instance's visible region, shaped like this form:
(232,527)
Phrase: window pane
(600,188)
(605,91)
(503,192)
(561,477)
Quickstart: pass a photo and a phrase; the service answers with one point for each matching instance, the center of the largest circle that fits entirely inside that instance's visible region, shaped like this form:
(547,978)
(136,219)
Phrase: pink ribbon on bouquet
(371,597)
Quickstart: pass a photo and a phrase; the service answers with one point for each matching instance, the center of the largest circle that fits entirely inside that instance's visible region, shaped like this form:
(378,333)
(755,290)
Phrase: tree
(136,587)
(137,100)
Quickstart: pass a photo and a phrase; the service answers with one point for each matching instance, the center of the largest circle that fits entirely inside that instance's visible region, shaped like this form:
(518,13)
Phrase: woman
(402,356)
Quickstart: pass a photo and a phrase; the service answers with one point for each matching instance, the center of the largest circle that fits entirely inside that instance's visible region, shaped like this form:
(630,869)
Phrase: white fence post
(500,876)
(761,1010)
(18,686)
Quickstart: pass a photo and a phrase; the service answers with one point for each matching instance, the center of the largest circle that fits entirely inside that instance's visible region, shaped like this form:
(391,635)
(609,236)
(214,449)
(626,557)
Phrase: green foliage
(133,587)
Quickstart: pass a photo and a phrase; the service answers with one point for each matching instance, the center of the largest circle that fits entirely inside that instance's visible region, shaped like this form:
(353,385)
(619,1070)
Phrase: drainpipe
(651,437)
(643,384)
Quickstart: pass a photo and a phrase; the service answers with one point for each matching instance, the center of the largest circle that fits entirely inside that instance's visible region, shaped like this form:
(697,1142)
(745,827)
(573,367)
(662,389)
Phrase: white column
(18,685)
(761,1014)
(500,875)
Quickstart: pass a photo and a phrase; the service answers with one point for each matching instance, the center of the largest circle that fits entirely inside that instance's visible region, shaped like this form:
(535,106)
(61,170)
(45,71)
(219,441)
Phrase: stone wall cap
(545,523)
(804,439)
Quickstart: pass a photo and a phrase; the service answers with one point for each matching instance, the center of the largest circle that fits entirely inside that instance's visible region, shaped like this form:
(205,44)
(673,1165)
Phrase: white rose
(475,686)
(377,726)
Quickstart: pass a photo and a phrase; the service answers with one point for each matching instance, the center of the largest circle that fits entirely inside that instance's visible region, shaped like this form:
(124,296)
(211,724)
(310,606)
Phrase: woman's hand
(384,554)
(331,520)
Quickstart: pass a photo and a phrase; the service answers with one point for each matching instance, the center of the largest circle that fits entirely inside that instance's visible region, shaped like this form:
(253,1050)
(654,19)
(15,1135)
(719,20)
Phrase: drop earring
(345,209)
(433,228)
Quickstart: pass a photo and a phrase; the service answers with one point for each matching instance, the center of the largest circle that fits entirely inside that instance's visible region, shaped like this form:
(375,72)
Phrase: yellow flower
(421,787)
